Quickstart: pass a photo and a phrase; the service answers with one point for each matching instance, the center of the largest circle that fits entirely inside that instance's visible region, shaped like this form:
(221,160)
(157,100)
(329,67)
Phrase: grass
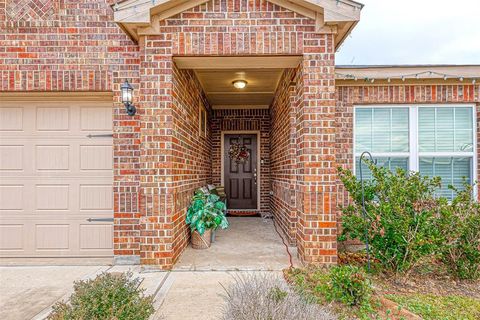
(433,307)
(428,304)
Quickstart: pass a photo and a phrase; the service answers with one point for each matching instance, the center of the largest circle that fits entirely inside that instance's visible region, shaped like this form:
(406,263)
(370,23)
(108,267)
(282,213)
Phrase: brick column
(156,191)
(124,64)
(316,169)
(126,150)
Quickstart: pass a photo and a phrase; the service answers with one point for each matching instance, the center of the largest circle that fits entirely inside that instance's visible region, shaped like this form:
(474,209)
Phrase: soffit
(218,86)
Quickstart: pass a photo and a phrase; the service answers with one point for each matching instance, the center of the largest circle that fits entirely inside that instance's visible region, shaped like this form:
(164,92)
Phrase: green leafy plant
(277,294)
(406,222)
(349,285)
(460,226)
(401,211)
(206,211)
(346,289)
(108,296)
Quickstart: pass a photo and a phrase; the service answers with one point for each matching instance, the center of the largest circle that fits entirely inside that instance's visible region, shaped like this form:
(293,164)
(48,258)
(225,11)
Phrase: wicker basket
(201,242)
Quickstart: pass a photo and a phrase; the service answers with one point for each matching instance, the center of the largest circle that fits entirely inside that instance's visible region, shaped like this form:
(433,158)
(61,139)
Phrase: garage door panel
(11,197)
(53,118)
(96,157)
(52,157)
(96,197)
(11,237)
(11,119)
(96,237)
(96,119)
(52,237)
(55,175)
(11,157)
(52,197)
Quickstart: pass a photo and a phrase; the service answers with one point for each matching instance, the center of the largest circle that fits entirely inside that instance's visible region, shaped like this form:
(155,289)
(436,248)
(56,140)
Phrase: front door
(240,177)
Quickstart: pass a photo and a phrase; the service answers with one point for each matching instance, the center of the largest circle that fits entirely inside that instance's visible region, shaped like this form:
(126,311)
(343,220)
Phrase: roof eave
(342,36)
(131,15)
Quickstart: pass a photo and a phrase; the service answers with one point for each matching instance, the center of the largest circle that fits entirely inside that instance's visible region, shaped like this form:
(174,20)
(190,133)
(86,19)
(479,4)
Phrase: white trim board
(239,107)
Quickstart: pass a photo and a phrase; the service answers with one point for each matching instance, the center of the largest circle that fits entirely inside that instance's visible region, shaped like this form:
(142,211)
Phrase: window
(202,120)
(434,140)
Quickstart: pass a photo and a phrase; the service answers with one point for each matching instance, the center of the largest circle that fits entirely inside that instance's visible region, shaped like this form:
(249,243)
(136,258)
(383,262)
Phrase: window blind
(442,144)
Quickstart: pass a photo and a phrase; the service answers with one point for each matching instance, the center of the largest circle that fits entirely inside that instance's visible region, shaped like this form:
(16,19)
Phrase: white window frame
(413,136)
(202,118)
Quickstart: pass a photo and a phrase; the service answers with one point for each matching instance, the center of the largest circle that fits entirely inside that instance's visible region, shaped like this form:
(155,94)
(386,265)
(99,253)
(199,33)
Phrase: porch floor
(250,243)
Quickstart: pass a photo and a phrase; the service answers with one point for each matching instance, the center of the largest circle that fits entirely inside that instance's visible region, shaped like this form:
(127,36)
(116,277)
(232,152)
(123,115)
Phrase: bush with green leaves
(107,297)
(401,215)
(407,222)
(346,289)
(206,211)
(349,285)
(460,227)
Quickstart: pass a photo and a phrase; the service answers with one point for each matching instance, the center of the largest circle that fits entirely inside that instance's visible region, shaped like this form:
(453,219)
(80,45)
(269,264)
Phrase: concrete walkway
(192,290)
(250,243)
(26,291)
(199,277)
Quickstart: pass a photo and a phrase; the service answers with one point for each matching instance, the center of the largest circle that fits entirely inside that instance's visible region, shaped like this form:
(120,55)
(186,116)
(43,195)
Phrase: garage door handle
(100,219)
(100,136)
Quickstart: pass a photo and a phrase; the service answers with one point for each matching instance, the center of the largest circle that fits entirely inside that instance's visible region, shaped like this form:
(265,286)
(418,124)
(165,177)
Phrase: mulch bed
(425,280)
(426,284)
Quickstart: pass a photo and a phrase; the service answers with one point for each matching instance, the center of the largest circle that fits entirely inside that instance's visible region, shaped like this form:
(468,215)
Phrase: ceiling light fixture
(240,84)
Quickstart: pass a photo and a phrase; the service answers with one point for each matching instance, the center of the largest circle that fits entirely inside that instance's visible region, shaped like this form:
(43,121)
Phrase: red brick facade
(160,157)
(237,28)
(283,155)
(64,45)
(192,151)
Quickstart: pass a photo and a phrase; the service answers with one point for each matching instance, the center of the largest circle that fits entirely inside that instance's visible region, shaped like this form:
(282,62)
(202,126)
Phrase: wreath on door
(238,153)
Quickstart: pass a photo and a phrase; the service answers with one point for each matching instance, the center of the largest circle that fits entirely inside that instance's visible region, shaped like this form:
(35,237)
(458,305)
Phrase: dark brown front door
(241,178)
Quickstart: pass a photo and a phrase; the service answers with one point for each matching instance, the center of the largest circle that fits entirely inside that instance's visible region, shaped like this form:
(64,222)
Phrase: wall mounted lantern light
(127,97)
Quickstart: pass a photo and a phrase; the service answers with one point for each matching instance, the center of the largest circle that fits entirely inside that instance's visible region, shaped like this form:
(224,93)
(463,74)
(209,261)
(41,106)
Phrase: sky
(414,32)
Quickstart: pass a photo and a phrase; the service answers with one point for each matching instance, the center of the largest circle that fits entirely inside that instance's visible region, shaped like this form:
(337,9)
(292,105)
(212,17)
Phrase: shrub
(460,226)
(109,296)
(349,285)
(401,216)
(268,297)
(345,289)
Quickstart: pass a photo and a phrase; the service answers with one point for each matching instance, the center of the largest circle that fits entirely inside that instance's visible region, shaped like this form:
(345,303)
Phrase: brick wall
(192,151)
(64,45)
(238,27)
(74,45)
(156,152)
(283,155)
(349,95)
(231,27)
(243,120)
(316,162)
(175,158)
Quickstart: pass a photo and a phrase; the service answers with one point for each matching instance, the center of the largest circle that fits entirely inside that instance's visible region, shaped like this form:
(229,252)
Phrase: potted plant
(205,214)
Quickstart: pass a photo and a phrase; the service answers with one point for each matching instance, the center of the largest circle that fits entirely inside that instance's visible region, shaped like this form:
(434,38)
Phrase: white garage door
(56,176)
